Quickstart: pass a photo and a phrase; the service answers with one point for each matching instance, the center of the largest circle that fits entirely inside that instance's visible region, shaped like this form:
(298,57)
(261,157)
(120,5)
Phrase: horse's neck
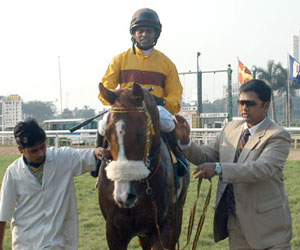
(155,152)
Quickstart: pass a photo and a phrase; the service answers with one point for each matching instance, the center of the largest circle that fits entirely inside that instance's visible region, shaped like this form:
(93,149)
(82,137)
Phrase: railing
(58,138)
(87,137)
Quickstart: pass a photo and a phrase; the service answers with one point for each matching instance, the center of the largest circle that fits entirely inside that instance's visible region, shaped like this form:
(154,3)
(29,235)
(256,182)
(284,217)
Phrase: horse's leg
(170,231)
(144,243)
(114,238)
(165,240)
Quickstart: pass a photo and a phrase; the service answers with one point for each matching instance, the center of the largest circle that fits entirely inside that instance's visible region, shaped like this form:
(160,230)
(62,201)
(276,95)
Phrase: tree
(279,83)
(67,114)
(38,110)
(274,76)
(86,112)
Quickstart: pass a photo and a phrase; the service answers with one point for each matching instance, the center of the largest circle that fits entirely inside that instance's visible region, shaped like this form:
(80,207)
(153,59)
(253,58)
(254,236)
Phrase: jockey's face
(145,36)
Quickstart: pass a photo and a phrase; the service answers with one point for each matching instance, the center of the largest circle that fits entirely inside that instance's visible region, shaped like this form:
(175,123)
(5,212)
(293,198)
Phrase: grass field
(92,225)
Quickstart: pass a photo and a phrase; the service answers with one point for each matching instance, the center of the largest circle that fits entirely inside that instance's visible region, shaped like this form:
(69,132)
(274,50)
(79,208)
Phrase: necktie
(243,140)
(229,190)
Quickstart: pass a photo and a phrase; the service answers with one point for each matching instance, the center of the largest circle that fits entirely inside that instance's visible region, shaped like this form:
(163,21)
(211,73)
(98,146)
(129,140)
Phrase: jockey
(148,67)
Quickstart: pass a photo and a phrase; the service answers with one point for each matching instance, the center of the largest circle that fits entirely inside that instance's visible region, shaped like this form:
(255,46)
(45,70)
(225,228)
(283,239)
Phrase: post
(199,87)
(60,89)
(288,105)
(229,94)
(56,141)
(288,98)
(254,72)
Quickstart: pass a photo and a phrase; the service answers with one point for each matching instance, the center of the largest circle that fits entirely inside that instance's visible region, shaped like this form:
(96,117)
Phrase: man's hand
(182,129)
(101,153)
(205,170)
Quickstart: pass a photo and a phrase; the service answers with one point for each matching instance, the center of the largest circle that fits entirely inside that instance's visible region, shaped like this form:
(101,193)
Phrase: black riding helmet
(146,18)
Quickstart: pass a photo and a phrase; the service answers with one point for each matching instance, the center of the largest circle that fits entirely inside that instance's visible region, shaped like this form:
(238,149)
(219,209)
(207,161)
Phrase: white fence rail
(88,136)
(58,137)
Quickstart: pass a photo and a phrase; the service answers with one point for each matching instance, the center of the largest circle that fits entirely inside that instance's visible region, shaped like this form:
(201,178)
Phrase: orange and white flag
(244,73)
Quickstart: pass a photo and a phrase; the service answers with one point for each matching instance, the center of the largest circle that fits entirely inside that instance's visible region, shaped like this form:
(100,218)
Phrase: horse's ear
(107,95)
(137,92)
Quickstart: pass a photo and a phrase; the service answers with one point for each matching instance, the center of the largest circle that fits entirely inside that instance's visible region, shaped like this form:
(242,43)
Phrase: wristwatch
(218,168)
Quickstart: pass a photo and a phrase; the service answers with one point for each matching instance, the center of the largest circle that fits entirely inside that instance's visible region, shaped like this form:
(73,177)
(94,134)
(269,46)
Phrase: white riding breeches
(166,119)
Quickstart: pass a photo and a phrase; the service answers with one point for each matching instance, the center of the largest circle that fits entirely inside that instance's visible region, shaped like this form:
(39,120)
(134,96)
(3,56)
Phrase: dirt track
(294,154)
(8,150)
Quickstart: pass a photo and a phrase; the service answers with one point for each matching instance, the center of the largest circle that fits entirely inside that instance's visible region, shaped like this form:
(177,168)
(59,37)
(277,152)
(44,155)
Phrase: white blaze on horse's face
(122,194)
(120,129)
(123,171)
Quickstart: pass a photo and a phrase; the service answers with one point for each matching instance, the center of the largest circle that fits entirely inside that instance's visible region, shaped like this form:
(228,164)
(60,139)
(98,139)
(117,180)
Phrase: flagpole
(60,89)
(288,106)
(238,72)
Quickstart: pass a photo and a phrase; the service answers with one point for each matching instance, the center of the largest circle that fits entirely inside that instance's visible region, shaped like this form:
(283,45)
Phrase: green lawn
(92,225)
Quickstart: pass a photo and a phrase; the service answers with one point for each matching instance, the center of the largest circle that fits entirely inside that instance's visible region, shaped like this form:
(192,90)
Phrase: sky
(83,36)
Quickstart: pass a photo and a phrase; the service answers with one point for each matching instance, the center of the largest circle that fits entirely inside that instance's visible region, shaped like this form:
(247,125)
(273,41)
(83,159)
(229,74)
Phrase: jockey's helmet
(147,18)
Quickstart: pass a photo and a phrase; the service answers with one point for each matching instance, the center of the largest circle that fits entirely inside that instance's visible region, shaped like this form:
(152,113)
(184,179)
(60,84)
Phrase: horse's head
(133,132)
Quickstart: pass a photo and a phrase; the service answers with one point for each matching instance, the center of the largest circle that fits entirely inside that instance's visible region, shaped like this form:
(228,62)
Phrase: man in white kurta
(43,211)
(44,216)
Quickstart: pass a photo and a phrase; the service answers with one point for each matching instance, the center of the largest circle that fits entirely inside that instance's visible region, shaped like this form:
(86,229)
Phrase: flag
(244,73)
(294,69)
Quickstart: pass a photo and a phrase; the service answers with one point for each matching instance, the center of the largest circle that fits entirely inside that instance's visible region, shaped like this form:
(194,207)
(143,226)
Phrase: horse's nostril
(131,198)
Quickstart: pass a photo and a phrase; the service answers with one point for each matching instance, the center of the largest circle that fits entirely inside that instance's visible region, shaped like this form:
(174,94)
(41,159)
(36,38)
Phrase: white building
(295,52)
(11,111)
(295,47)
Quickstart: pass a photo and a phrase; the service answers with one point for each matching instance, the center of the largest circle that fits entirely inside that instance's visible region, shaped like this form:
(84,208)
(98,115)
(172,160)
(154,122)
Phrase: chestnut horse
(136,189)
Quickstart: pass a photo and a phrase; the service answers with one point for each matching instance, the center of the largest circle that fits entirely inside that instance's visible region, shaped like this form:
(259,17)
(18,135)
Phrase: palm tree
(282,89)
(276,77)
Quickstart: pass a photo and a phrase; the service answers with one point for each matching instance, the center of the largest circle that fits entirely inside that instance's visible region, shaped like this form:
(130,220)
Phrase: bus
(60,127)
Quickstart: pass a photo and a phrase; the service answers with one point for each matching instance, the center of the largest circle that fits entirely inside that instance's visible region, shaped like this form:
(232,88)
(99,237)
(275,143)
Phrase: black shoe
(183,166)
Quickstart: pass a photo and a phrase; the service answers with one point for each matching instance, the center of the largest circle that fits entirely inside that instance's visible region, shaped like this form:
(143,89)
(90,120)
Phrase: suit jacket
(261,201)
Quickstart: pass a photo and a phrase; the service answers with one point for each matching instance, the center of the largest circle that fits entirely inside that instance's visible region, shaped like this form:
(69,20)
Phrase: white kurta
(45,216)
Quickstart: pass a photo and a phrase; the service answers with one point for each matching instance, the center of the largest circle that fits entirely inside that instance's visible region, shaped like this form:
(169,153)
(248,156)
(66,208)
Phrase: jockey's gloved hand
(159,101)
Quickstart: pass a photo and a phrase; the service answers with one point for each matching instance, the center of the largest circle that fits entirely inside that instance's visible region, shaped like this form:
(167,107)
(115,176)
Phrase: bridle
(150,132)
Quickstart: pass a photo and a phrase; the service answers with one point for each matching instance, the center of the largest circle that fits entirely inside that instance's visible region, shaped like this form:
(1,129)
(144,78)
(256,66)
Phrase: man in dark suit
(251,203)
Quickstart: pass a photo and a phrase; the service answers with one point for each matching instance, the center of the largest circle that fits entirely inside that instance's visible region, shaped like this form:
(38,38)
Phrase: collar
(254,128)
(147,52)
(144,53)
(33,165)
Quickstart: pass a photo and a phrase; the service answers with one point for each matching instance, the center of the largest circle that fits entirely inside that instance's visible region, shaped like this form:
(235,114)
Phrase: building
(295,47)
(295,51)
(11,111)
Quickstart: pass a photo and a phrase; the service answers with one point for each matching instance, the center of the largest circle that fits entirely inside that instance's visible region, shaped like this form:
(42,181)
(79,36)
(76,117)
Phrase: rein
(202,217)
(191,219)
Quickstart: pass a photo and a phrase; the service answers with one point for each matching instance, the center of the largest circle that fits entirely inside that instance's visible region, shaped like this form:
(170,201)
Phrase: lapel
(234,137)
(254,140)
(29,177)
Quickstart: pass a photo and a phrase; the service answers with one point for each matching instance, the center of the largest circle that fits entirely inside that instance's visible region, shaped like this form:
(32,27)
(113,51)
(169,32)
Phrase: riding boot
(99,143)
(182,163)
